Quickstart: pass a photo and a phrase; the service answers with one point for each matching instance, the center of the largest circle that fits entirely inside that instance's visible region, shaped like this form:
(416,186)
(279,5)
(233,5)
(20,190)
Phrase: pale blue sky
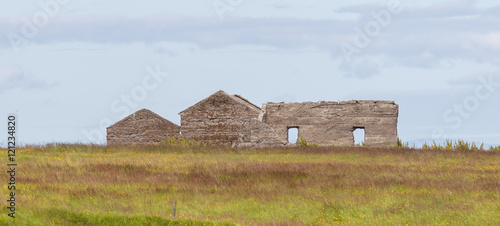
(439,60)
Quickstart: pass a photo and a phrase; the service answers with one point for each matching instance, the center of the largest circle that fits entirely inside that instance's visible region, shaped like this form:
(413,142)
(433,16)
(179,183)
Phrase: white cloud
(14,77)
(445,30)
(419,37)
(487,40)
(361,69)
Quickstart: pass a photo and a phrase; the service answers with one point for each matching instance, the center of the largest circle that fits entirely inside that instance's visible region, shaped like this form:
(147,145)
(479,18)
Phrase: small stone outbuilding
(141,127)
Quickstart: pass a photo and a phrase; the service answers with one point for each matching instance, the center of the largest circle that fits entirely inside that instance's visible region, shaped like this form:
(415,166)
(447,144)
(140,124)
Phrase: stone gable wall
(220,119)
(142,127)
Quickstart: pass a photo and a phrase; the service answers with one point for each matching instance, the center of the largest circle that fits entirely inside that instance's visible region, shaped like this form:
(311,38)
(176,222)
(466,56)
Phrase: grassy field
(93,185)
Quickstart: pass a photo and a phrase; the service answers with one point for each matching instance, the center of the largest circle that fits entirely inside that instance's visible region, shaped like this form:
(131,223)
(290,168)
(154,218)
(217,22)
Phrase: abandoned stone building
(231,119)
(141,127)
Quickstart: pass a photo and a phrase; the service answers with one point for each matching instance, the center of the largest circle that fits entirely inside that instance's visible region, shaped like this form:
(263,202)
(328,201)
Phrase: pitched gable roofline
(236,98)
(146,111)
(240,98)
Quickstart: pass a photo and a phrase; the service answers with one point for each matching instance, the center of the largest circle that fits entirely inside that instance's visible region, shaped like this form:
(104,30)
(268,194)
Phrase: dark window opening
(293,135)
(359,136)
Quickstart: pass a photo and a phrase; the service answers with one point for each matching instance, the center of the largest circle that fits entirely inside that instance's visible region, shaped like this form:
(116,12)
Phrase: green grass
(64,217)
(95,185)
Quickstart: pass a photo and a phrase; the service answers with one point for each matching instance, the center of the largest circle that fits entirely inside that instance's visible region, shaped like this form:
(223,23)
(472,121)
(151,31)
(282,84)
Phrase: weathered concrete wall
(332,123)
(220,118)
(141,127)
(261,135)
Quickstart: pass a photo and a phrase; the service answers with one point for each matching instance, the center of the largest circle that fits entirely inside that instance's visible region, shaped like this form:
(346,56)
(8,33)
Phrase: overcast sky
(70,68)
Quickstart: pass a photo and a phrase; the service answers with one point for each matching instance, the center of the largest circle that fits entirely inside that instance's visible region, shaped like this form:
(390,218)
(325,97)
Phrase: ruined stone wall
(260,135)
(332,123)
(231,119)
(221,119)
(142,127)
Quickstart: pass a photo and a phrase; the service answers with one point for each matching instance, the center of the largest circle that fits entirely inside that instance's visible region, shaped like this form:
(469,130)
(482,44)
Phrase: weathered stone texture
(220,118)
(141,127)
(261,135)
(333,123)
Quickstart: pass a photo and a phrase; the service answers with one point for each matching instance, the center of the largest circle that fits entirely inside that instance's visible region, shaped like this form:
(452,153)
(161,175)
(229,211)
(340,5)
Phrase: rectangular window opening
(359,136)
(293,135)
